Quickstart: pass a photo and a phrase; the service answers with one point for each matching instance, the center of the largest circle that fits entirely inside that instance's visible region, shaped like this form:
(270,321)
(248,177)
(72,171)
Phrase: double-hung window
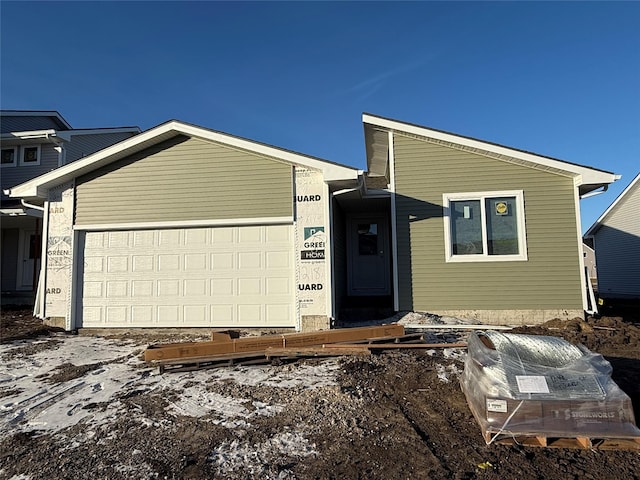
(30,155)
(484,226)
(24,156)
(9,156)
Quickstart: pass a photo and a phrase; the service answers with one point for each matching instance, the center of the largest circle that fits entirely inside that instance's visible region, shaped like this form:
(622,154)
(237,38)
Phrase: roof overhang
(38,187)
(31,136)
(58,136)
(37,113)
(377,144)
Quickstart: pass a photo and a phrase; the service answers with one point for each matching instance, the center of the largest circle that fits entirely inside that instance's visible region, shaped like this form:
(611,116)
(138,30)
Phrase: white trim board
(188,223)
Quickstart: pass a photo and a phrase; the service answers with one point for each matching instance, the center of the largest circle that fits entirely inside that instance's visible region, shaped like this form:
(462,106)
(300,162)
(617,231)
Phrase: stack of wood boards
(225,350)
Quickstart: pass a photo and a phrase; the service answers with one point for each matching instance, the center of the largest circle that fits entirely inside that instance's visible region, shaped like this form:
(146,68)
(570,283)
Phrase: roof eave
(38,186)
(584,175)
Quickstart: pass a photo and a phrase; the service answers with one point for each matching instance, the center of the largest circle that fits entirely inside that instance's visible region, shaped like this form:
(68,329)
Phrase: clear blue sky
(558,79)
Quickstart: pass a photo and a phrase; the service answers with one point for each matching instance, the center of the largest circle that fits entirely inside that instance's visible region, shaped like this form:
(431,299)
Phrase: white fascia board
(39,185)
(588,176)
(598,223)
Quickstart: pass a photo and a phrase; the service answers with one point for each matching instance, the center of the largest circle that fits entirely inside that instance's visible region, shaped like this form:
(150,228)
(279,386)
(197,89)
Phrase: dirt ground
(395,415)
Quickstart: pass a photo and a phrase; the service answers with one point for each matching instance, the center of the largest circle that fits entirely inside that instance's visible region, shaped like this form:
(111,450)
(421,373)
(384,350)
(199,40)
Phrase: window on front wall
(9,156)
(30,155)
(484,226)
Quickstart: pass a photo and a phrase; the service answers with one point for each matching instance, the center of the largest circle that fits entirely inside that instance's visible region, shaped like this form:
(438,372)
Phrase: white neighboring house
(616,237)
(34,143)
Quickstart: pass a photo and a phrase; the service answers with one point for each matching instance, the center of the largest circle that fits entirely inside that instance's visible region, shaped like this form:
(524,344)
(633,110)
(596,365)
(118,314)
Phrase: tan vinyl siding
(83,145)
(550,278)
(15,175)
(185,179)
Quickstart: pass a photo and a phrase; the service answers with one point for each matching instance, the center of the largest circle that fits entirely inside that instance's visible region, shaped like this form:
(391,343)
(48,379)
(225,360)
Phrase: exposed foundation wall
(313,323)
(511,317)
(59,322)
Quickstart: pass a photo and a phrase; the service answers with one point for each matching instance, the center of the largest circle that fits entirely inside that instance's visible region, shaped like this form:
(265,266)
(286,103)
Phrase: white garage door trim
(232,276)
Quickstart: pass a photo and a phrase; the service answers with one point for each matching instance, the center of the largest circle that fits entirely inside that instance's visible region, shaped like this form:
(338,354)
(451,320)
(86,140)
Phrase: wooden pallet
(601,442)
(214,361)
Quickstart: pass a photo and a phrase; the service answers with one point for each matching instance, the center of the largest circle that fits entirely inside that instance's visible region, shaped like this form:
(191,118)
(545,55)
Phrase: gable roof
(38,186)
(634,185)
(376,139)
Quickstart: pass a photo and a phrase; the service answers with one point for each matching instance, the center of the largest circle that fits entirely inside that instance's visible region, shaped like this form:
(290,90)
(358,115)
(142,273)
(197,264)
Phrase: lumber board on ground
(411,337)
(384,346)
(222,346)
(447,326)
(316,351)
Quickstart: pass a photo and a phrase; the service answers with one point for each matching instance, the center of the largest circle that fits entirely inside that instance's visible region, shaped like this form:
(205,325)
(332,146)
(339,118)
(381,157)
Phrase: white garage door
(191,277)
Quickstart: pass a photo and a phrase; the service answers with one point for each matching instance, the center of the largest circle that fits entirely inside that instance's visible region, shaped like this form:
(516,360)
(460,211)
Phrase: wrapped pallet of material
(529,385)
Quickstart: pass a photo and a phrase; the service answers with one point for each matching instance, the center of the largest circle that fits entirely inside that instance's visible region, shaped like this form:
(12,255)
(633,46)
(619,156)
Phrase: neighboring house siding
(83,145)
(24,123)
(617,245)
(549,279)
(185,179)
(15,175)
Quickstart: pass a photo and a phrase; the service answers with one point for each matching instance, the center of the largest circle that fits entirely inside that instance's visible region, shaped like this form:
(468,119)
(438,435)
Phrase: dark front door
(368,255)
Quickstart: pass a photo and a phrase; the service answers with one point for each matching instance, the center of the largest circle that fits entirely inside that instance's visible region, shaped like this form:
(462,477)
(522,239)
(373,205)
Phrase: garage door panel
(196,277)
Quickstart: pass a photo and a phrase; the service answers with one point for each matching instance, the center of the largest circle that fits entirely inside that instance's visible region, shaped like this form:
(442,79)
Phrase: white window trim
(485,257)
(27,164)
(15,157)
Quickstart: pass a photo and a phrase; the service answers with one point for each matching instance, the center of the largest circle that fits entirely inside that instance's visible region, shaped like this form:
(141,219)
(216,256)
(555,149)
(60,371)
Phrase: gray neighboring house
(34,143)
(616,239)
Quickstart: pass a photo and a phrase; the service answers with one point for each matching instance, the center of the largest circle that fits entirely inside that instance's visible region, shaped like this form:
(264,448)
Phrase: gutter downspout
(30,205)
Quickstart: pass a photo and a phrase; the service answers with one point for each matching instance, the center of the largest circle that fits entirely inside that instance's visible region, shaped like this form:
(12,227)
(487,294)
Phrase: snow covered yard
(50,385)
(75,407)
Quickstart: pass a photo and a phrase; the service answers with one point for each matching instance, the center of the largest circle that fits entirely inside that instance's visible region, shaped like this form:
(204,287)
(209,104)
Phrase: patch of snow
(32,404)
(444,372)
(454,353)
(252,458)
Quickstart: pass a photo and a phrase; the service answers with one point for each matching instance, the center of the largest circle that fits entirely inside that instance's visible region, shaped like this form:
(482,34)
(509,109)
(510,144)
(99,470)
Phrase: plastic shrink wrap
(541,385)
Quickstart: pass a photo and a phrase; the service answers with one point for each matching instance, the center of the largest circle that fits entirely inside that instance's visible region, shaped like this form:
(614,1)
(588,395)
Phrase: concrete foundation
(511,317)
(313,323)
(59,322)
